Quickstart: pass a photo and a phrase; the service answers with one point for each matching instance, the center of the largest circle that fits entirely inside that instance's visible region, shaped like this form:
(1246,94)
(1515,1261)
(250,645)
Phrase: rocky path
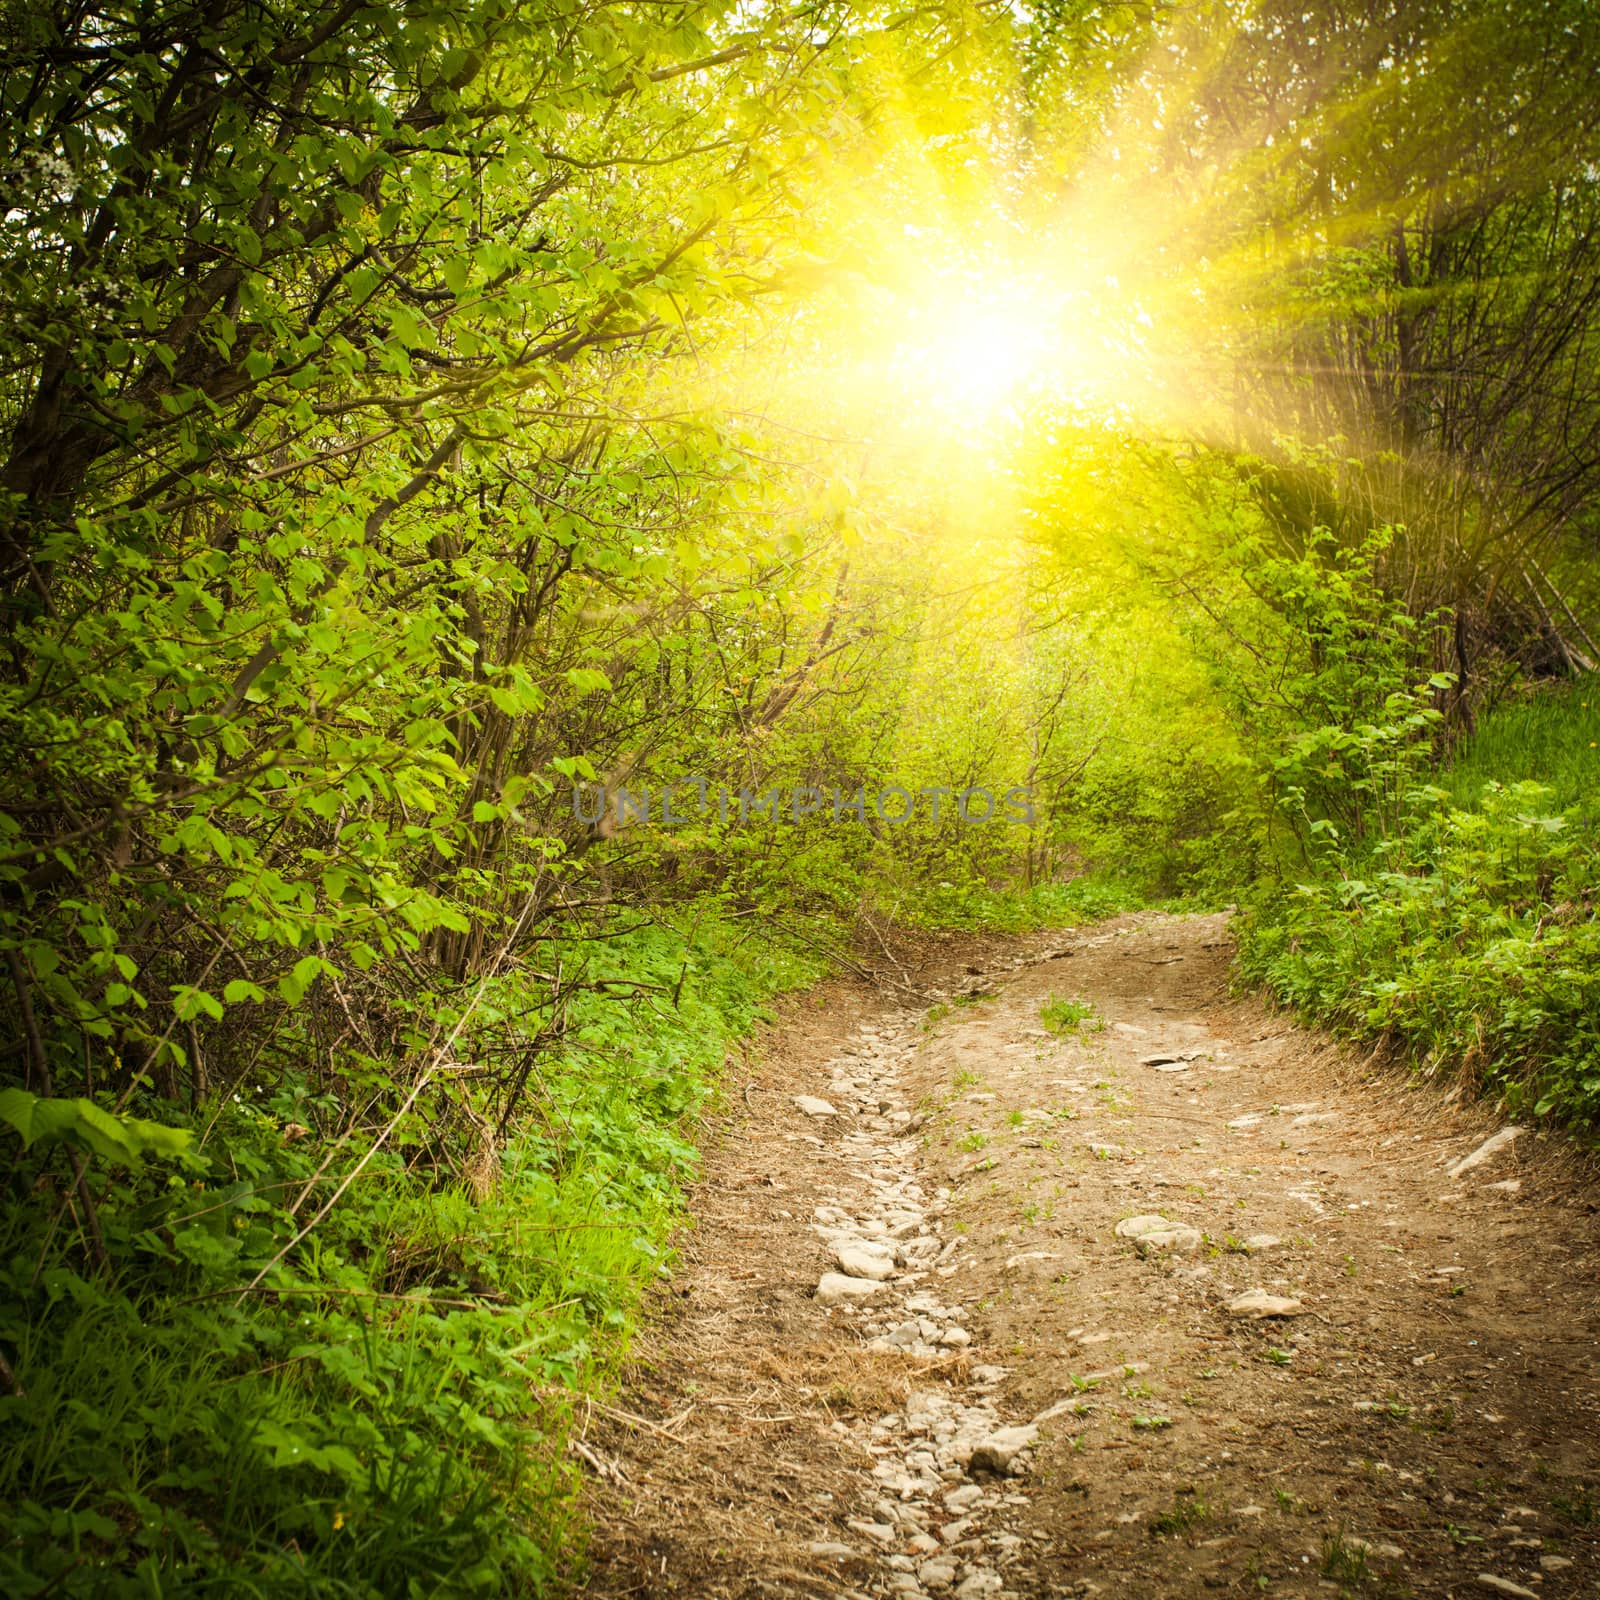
(1068,1273)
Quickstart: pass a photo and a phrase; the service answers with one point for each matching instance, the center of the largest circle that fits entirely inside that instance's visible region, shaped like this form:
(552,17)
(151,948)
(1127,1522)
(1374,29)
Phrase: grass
(387,1412)
(1551,737)
(1343,1562)
(1186,1513)
(1064,1017)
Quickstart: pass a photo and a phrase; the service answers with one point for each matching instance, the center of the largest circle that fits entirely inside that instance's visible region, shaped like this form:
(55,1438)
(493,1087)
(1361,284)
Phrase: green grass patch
(208,1402)
(1065,1016)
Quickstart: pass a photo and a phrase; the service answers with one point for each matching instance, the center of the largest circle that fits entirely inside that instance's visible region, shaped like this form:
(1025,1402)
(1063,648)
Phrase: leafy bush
(1467,935)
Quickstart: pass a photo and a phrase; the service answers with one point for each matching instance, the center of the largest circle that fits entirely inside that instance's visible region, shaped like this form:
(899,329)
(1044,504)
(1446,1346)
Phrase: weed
(1065,1017)
(1186,1513)
(1342,1561)
(1576,1506)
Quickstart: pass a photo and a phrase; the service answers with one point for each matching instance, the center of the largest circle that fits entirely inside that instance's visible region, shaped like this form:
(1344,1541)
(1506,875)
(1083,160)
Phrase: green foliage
(377,1406)
(1470,937)
(1186,1513)
(1065,1016)
(1550,736)
(123,1141)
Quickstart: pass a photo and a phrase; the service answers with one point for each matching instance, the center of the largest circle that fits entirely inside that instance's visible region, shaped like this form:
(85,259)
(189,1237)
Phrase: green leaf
(190,1002)
(120,1140)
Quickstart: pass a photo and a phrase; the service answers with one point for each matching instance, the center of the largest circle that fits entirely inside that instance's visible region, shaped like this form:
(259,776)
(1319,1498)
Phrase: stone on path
(1070,1406)
(999,1450)
(1157,1233)
(979,1585)
(1261,1241)
(815,1106)
(860,1259)
(1487,1580)
(834,1288)
(1383,1550)
(879,1532)
(1490,1148)
(1165,1058)
(1258,1303)
(831,1550)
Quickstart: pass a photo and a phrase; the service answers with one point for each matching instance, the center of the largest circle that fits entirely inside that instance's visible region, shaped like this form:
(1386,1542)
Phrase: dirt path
(1020,1389)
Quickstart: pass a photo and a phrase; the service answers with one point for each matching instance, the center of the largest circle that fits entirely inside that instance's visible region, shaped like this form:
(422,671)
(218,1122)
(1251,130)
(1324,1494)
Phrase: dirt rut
(1092,1278)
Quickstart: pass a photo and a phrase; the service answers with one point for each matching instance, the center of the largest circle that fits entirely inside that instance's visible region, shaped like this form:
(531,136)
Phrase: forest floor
(1033,1403)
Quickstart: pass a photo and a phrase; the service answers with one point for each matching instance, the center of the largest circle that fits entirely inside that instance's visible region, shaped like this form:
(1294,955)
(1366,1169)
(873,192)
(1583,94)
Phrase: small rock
(1060,1409)
(1261,1241)
(834,1288)
(814,1106)
(964,1498)
(1307,1118)
(955,1338)
(863,1260)
(1157,1233)
(1487,1580)
(998,1452)
(1506,1186)
(1383,1550)
(1013,1262)
(1258,1303)
(879,1532)
(831,1550)
(1555,1563)
(936,1574)
(978,1585)
(1490,1147)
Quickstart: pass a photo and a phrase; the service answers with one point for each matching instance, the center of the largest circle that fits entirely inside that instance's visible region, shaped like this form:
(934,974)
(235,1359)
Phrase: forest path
(1346,1362)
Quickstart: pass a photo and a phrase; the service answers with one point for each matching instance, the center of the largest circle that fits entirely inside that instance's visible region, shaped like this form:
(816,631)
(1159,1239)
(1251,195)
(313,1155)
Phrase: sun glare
(973,356)
(1015,343)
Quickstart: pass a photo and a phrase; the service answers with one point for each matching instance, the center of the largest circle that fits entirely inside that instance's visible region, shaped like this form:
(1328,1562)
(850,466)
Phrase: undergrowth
(1465,929)
(207,1398)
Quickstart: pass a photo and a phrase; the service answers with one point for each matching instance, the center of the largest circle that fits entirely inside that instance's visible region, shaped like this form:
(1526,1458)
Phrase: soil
(1418,1415)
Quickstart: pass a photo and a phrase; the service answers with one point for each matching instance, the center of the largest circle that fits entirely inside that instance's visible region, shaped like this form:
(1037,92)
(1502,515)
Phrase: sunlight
(1019,341)
(969,355)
